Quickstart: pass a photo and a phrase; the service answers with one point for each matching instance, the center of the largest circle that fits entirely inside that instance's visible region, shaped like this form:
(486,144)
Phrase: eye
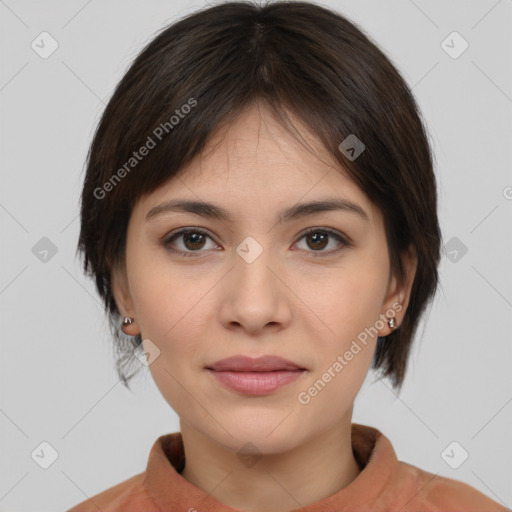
(192,240)
(318,238)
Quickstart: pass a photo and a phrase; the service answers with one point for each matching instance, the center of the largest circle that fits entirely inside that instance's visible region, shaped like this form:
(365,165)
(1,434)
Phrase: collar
(372,450)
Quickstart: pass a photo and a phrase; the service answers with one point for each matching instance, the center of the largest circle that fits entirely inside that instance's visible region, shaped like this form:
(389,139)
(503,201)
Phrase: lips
(260,376)
(267,363)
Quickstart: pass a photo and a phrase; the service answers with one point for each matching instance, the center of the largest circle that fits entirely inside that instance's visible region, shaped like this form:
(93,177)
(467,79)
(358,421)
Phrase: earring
(126,322)
(391,323)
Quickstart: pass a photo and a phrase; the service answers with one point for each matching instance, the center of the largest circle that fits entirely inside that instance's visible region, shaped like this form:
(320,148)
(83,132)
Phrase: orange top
(384,484)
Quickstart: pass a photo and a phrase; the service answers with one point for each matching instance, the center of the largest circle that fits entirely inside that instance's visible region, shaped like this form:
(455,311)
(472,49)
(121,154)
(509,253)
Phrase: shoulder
(433,493)
(130,492)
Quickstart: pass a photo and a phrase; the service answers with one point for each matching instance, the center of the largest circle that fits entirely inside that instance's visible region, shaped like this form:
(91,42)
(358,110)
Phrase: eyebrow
(210,210)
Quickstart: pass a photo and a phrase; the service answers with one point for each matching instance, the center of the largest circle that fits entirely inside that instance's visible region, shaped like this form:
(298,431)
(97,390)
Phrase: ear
(121,292)
(399,291)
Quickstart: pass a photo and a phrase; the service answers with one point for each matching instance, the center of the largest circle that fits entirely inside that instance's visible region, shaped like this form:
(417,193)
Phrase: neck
(273,482)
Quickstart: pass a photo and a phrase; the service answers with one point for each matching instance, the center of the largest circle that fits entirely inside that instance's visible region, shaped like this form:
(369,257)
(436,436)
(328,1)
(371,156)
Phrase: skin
(214,304)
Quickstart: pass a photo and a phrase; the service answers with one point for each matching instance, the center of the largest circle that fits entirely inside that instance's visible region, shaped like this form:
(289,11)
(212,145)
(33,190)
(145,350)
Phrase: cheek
(349,304)
(170,318)
(163,298)
(172,315)
(174,312)
(349,300)
(345,351)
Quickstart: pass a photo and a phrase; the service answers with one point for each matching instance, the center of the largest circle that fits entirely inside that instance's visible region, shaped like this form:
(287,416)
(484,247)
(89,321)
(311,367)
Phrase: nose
(255,295)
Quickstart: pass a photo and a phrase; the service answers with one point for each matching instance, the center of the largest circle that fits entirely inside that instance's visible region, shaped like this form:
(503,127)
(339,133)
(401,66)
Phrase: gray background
(57,379)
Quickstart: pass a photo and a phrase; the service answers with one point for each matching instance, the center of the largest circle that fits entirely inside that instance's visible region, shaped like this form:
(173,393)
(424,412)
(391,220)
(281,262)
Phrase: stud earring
(391,323)
(127,321)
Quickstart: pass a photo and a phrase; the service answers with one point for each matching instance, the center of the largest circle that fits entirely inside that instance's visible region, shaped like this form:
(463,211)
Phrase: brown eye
(191,240)
(318,239)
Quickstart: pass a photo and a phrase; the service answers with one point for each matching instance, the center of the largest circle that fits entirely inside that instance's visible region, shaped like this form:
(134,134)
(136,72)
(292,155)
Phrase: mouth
(258,376)
(256,383)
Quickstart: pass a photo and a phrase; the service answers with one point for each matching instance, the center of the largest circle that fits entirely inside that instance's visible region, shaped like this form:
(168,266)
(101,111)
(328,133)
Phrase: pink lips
(255,376)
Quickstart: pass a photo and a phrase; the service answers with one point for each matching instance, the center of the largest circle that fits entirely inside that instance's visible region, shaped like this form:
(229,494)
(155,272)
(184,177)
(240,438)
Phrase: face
(203,288)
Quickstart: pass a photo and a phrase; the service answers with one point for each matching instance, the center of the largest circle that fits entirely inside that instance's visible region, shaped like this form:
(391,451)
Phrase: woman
(260,217)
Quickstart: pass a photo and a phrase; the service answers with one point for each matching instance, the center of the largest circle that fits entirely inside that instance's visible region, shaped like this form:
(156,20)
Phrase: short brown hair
(295,56)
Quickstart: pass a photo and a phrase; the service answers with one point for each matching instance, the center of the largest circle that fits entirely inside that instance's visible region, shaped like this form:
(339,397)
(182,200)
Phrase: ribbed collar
(372,450)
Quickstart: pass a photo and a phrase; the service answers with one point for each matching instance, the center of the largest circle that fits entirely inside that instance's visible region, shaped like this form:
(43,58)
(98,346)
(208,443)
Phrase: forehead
(254,160)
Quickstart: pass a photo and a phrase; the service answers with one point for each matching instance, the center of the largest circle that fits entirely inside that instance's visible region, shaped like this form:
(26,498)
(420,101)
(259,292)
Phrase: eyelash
(315,254)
